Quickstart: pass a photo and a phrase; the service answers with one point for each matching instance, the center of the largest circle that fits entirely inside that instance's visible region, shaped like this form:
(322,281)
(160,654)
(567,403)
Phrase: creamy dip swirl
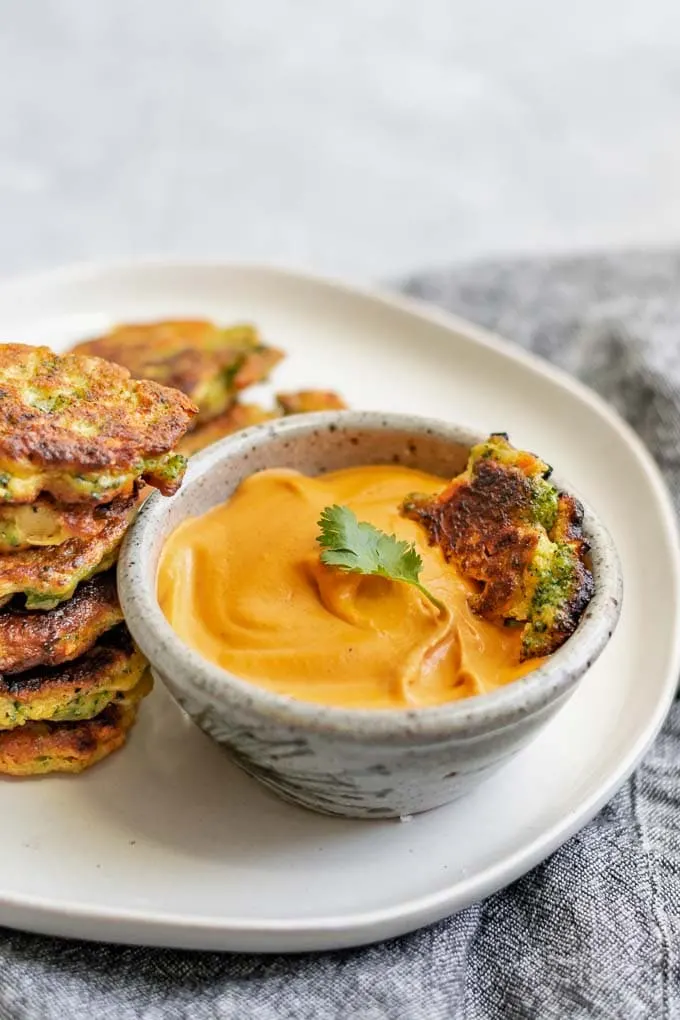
(244,586)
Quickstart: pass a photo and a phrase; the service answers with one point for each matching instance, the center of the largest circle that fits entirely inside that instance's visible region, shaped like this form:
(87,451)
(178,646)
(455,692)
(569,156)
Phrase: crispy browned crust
(113,663)
(484,522)
(39,748)
(237,417)
(568,530)
(47,575)
(305,401)
(189,355)
(479,523)
(569,523)
(71,520)
(37,638)
(42,747)
(102,418)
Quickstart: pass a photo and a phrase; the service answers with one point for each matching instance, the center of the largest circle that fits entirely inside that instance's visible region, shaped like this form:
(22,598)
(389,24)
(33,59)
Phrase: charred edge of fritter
(568,536)
(481,522)
(39,748)
(569,523)
(566,619)
(78,673)
(111,720)
(31,638)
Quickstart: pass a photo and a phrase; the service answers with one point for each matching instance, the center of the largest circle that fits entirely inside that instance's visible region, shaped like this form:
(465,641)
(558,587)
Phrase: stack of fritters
(78,438)
(212,365)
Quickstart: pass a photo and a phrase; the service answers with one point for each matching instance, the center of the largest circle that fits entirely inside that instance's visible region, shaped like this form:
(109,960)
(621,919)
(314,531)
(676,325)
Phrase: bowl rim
(465,718)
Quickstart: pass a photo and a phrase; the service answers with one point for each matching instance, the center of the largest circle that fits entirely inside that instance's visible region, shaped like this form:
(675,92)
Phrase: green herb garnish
(361,548)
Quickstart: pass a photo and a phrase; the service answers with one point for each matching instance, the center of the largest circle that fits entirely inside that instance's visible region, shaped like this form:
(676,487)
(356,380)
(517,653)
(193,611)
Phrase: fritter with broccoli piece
(30,638)
(46,522)
(39,748)
(82,430)
(507,528)
(73,690)
(209,363)
(49,575)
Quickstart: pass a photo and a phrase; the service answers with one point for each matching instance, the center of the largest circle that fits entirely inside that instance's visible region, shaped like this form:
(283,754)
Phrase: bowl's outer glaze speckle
(363,764)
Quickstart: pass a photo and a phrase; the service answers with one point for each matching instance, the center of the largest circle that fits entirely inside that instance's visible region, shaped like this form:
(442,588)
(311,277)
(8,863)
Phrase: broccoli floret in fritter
(507,528)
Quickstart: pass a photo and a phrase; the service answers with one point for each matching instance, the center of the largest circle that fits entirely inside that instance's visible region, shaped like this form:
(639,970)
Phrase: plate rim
(171,929)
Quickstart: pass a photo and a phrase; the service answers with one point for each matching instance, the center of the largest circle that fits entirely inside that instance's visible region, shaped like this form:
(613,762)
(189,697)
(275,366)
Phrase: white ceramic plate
(167,843)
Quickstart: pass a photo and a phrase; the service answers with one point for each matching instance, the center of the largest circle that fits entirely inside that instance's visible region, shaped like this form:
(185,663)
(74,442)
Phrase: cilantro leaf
(359,547)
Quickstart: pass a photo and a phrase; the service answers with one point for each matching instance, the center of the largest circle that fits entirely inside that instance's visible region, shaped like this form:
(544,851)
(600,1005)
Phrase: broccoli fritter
(507,528)
(237,417)
(82,430)
(73,690)
(48,575)
(305,401)
(208,363)
(30,638)
(46,522)
(242,416)
(42,747)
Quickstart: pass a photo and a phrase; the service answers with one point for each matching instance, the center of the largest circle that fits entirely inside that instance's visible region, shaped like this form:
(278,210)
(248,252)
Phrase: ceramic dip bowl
(361,763)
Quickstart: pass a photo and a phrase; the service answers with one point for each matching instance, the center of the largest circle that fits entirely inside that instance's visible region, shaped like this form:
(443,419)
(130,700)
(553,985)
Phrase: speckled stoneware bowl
(354,762)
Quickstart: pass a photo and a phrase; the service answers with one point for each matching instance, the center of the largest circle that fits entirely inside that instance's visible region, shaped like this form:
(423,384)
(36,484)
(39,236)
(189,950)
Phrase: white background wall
(363,137)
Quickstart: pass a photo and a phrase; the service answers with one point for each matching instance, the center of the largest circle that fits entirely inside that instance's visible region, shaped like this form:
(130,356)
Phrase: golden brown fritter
(81,429)
(238,416)
(46,522)
(505,526)
(242,416)
(49,575)
(207,362)
(73,690)
(42,747)
(30,638)
(305,401)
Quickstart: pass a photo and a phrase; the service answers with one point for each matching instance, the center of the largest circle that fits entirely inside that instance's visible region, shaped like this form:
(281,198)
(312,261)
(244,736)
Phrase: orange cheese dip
(244,586)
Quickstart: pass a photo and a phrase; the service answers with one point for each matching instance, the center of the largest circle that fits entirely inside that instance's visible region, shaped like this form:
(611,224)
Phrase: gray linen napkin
(594,932)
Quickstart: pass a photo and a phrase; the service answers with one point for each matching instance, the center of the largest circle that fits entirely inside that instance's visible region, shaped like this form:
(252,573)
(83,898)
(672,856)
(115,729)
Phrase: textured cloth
(593,932)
